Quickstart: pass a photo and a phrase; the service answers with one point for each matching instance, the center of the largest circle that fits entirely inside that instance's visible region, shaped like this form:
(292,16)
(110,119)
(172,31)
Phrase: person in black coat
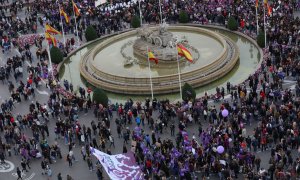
(19,173)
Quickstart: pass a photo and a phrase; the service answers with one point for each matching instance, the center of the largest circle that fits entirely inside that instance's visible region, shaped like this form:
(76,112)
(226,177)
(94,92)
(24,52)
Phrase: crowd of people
(220,145)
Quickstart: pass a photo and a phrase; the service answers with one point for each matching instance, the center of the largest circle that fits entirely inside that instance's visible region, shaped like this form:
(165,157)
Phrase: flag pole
(49,57)
(257,27)
(179,78)
(75,23)
(151,86)
(265,30)
(160,11)
(62,25)
(140,12)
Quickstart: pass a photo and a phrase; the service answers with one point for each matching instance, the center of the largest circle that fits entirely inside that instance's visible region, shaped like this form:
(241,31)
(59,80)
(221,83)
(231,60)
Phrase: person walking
(59,177)
(27,161)
(49,171)
(83,152)
(71,154)
(172,127)
(99,173)
(90,163)
(69,159)
(19,173)
(69,177)
(124,149)
(111,140)
(43,165)
(23,164)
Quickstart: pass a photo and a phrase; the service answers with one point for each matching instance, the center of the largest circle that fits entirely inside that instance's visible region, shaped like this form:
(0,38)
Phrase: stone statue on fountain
(161,42)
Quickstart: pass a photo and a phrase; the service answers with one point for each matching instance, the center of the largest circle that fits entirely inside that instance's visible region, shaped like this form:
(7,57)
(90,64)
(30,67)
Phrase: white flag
(99,2)
(119,166)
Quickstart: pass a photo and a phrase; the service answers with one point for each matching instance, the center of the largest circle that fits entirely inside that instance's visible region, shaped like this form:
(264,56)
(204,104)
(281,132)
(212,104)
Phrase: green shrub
(232,24)
(100,97)
(183,17)
(90,33)
(261,39)
(56,55)
(188,92)
(135,22)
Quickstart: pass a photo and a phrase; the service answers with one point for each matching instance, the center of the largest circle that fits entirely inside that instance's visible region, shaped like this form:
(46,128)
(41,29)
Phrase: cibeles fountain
(161,42)
(119,63)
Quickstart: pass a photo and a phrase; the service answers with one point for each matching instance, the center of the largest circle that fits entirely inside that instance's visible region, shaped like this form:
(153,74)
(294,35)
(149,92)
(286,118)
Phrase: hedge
(232,24)
(100,97)
(90,33)
(183,17)
(188,92)
(56,55)
(261,39)
(135,22)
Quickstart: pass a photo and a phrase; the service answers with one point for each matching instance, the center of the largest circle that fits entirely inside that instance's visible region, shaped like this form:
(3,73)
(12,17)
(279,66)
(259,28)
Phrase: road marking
(42,92)
(7,166)
(28,63)
(17,51)
(23,175)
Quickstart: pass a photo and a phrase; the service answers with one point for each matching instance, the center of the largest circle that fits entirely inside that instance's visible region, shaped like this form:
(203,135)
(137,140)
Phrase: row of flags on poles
(181,50)
(266,5)
(76,12)
(49,32)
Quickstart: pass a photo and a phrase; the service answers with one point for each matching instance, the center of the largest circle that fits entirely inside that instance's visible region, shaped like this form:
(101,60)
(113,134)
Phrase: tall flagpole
(75,23)
(150,72)
(140,12)
(160,11)
(49,57)
(179,78)
(62,25)
(265,30)
(257,27)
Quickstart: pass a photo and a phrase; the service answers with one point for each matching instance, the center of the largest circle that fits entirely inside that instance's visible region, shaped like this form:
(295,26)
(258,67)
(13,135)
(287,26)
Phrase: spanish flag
(151,56)
(182,51)
(90,11)
(270,9)
(256,4)
(64,14)
(76,9)
(50,38)
(49,29)
(265,3)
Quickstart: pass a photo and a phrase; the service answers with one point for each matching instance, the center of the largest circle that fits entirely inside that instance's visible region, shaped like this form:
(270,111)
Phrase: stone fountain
(119,63)
(161,42)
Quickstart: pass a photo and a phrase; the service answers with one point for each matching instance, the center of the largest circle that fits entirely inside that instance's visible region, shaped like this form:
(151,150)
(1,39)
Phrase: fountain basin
(102,66)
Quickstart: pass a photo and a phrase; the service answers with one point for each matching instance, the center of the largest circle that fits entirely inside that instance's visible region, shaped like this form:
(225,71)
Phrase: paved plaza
(80,170)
